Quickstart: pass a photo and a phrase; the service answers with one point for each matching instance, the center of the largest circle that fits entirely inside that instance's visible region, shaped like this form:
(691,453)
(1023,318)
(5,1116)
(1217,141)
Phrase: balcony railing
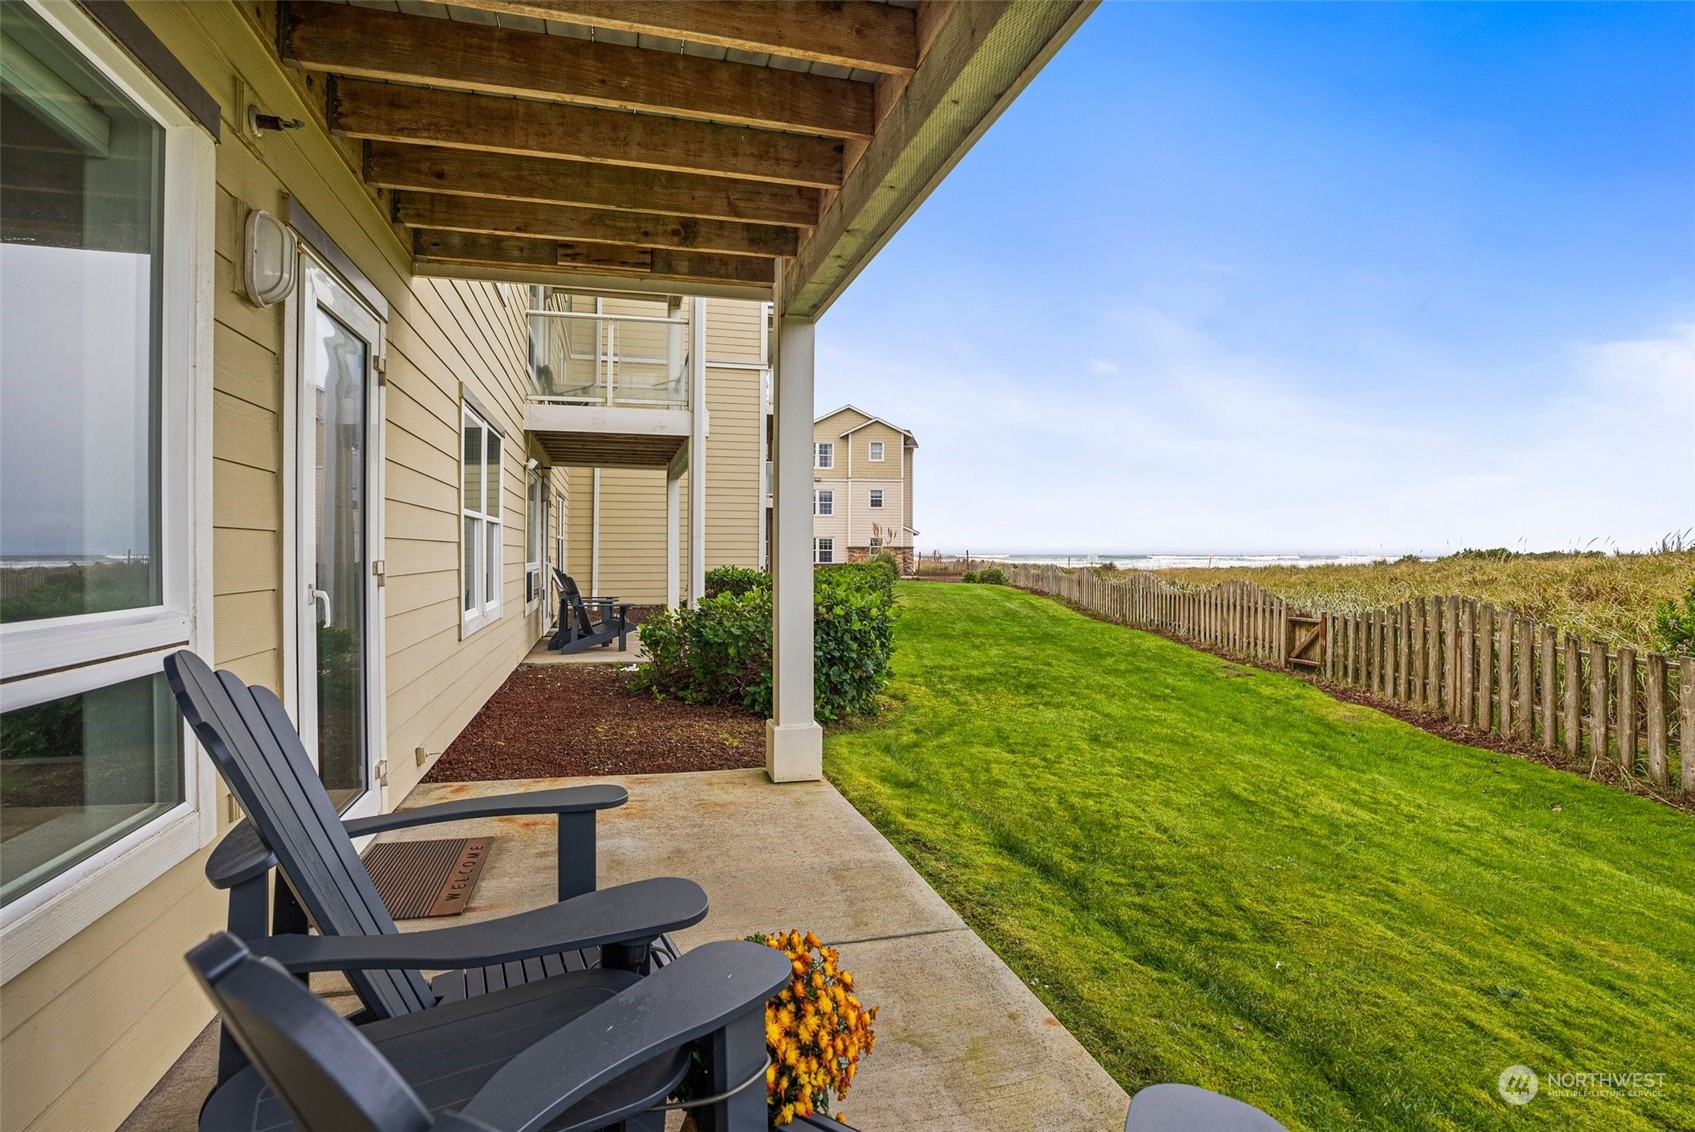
(636,361)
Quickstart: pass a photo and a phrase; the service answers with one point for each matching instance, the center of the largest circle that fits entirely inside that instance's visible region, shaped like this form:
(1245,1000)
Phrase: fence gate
(1305,642)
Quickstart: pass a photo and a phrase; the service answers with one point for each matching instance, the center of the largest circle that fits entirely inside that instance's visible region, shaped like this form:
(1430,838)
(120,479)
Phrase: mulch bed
(580,719)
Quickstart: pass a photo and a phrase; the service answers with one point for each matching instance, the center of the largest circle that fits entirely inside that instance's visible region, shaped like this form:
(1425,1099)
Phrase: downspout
(594,540)
(697,452)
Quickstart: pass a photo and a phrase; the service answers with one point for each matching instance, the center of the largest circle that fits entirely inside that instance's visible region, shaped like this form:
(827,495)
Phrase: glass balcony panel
(587,358)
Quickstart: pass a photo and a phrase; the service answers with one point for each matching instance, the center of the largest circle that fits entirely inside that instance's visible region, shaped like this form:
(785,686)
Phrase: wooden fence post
(1573,682)
(1504,673)
(1656,703)
(1403,657)
(1627,707)
(1526,667)
(1451,657)
(1468,662)
(1597,699)
(1356,649)
(1372,666)
(1548,682)
(1486,667)
(1686,726)
(1415,686)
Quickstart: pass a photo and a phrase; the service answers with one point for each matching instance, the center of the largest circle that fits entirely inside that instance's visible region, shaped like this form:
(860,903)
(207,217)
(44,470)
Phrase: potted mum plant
(816,1031)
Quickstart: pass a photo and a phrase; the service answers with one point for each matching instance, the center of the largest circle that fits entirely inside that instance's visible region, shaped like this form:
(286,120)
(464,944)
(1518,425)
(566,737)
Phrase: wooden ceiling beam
(418,115)
(870,37)
(543,180)
(369,44)
(529,254)
(982,56)
(603,226)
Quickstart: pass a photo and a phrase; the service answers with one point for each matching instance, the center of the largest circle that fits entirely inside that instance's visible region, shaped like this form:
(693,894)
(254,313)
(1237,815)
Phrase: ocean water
(1183,561)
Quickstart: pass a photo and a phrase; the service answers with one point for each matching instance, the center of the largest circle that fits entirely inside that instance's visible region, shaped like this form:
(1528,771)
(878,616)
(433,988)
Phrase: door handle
(319,597)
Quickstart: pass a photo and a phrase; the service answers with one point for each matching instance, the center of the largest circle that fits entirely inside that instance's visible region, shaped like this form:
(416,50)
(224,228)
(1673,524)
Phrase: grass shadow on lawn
(1219,875)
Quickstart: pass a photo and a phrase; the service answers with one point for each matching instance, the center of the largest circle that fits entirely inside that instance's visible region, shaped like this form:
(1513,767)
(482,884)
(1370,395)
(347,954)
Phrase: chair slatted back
(252,741)
(579,608)
(325,1072)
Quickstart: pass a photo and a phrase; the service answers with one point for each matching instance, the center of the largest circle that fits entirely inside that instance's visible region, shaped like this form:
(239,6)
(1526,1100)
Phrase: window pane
(80,219)
(491,564)
(473,465)
(491,475)
(78,773)
(470,541)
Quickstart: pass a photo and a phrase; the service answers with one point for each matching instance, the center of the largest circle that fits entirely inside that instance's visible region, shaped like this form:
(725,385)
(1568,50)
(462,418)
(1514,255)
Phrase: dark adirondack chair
(1186,1108)
(604,1051)
(291,823)
(578,629)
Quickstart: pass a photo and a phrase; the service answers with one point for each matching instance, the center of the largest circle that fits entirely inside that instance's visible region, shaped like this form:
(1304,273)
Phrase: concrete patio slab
(962,1043)
(610,654)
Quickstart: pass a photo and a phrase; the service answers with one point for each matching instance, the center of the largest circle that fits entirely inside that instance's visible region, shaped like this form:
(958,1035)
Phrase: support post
(794,743)
(697,451)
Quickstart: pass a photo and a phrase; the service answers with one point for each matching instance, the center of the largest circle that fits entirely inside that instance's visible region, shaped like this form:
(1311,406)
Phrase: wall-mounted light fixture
(259,123)
(271,254)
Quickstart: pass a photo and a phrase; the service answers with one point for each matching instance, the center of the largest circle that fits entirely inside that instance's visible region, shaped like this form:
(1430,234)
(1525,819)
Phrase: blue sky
(1347,277)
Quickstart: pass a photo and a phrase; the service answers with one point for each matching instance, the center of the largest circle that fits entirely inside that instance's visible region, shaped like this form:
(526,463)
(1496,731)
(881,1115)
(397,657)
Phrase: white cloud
(1215,449)
(1102,366)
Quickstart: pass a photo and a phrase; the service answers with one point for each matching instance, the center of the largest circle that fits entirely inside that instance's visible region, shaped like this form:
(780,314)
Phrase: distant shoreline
(1175,561)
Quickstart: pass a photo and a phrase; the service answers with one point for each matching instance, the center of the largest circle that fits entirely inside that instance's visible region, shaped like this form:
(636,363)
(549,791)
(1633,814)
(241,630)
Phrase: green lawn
(1218,875)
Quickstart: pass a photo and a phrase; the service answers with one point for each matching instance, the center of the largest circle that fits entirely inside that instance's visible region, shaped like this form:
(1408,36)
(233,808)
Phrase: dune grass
(1218,875)
(1612,597)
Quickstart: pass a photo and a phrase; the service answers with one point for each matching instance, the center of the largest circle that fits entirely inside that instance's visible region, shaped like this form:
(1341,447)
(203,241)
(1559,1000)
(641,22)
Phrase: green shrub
(735,580)
(887,559)
(873,575)
(969,577)
(719,652)
(993,576)
(1674,623)
(852,639)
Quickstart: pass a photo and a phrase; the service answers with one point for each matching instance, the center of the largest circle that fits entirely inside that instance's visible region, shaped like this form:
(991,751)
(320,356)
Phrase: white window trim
(874,499)
(874,451)
(488,611)
(823,501)
(535,538)
(818,546)
(824,454)
(68,655)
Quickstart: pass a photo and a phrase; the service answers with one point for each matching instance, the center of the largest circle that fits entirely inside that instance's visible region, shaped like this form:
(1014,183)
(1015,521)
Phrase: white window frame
(823,501)
(874,451)
(875,544)
(487,611)
(875,499)
(824,551)
(63,656)
(824,454)
(535,539)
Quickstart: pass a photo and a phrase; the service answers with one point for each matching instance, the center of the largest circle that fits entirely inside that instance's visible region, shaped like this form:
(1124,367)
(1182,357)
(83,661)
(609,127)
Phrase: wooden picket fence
(1487,669)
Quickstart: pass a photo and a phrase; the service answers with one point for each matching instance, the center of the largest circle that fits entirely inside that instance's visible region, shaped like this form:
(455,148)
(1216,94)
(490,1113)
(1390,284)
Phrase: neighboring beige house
(861,488)
(271,362)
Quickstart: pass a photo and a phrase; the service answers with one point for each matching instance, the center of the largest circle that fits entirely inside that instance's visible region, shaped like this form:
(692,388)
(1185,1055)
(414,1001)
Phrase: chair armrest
(628,913)
(570,800)
(240,857)
(688,999)
(243,855)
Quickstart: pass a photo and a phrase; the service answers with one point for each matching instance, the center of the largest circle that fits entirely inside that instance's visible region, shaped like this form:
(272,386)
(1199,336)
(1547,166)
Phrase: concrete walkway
(962,1043)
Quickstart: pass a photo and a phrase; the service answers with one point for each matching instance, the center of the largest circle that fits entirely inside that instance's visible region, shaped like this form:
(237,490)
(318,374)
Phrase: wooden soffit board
(689,146)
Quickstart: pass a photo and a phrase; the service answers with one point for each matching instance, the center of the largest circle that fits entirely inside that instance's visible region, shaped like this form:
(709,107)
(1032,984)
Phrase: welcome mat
(427,878)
